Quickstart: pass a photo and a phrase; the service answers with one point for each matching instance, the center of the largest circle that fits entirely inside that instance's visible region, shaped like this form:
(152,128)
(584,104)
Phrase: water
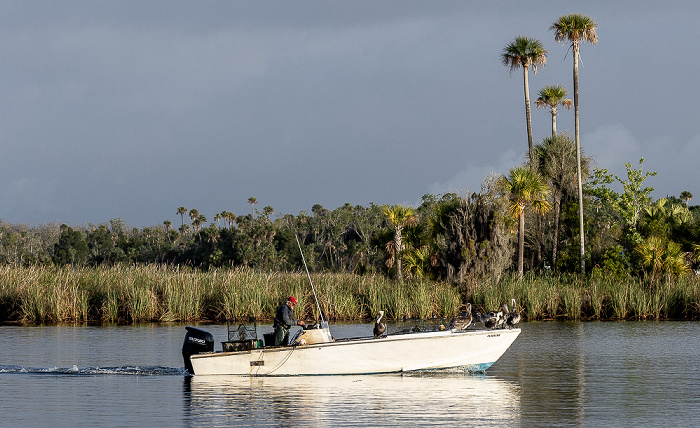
(555,374)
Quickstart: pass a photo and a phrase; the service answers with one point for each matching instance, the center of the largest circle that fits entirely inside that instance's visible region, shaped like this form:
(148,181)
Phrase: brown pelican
(491,320)
(502,315)
(513,317)
(379,328)
(463,320)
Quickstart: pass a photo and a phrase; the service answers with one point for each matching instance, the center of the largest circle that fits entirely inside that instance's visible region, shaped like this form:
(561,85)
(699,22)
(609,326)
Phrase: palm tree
(194,213)
(252,201)
(662,257)
(556,157)
(182,211)
(576,28)
(525,52)
(268,211)
(231,219)
(552,96)
(686,196)
(418,262)
(399,217)
(525,188)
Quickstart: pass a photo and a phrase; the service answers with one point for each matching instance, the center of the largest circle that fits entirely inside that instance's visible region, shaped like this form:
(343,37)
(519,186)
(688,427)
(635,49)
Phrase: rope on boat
(320,314)
(284,360)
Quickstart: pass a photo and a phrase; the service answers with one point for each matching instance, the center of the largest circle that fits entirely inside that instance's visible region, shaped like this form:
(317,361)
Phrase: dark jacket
(285,317)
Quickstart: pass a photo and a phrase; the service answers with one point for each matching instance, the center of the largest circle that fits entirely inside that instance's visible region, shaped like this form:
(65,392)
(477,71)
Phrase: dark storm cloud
(131,109)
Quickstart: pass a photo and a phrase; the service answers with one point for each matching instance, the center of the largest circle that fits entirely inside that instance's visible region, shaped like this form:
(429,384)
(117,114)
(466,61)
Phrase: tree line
(461,239)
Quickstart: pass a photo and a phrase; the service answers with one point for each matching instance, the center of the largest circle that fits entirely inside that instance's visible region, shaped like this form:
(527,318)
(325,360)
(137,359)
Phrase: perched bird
(379,327)
(491,319)
(513,317)
(463,320)
(502,316)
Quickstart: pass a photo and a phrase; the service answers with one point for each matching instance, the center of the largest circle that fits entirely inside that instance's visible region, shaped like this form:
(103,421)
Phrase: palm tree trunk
(555,244)
(521,243)
(526,85)
(578,160)
(397,249)
(554,122)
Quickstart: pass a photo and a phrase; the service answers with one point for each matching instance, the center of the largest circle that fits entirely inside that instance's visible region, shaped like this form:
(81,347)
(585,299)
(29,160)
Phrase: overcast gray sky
(130,109)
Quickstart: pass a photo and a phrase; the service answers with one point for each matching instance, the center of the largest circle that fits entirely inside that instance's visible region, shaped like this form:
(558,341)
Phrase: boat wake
(96,371)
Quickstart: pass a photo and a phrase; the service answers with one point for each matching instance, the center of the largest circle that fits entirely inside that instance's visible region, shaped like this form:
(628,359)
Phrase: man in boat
(284,320)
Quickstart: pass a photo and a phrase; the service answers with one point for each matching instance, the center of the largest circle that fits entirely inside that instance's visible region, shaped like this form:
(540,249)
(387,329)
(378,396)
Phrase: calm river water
(555,374)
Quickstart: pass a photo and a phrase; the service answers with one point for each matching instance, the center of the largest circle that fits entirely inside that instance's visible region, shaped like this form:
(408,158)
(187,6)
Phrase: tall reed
(165,293)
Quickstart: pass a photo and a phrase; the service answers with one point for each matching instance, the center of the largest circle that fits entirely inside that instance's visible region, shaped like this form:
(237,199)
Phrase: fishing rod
(320,314)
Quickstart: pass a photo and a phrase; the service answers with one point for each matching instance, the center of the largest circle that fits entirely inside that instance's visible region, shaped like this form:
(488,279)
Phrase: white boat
(315,352)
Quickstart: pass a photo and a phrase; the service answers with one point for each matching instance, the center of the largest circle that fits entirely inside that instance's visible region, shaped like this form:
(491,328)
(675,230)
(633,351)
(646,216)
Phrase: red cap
(293,300)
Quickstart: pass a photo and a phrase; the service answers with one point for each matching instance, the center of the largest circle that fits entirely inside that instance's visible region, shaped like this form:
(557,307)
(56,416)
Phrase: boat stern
(196,341)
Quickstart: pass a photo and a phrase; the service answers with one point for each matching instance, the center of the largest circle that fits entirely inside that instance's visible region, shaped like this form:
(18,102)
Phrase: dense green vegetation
(155,293)
(523,236)
(456,239)
(454,249)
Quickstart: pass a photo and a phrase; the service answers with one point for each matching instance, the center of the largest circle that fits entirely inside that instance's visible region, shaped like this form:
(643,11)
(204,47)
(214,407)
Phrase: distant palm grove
(449,237)
(551,218)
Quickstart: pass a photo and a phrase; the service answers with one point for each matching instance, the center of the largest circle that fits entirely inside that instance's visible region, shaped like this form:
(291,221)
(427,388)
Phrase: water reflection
(549,365)
(417,399)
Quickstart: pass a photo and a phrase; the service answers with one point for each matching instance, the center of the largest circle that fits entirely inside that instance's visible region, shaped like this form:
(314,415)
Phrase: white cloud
(611,146)
(470,178)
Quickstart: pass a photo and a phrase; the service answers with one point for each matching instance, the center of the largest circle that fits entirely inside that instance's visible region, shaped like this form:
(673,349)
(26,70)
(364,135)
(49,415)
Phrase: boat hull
(474,350)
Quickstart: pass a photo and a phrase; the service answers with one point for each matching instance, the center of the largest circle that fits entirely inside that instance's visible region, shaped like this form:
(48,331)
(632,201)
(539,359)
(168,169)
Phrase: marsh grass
(573,297)
(595,300)
(163,293)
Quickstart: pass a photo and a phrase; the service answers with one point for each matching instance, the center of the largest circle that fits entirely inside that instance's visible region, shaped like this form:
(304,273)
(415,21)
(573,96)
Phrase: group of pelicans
(504,318)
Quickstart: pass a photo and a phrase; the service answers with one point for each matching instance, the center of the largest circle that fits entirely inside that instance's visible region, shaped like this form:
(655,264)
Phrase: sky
(131,109)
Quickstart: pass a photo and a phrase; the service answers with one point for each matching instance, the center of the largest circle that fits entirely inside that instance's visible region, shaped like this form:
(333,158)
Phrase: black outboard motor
(196,341)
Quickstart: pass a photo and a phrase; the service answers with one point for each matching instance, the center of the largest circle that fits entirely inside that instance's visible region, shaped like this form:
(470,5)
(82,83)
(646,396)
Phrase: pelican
(513,317)
(379,327)
(463,320)
(502,316)
(491,320)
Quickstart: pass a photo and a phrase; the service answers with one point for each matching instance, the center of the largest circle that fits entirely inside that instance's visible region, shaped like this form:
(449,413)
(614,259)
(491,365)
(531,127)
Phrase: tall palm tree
(525,52)
(556,157)
(576,28)
(553,96)
(182,211)
(399,217)
(525,188)
(252,201)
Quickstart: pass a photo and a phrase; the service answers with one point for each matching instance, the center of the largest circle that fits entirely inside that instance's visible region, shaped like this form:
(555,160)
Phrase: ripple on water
(75,370)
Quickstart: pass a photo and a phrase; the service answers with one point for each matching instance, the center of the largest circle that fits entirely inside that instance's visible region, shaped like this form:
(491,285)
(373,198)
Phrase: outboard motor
(196,341)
